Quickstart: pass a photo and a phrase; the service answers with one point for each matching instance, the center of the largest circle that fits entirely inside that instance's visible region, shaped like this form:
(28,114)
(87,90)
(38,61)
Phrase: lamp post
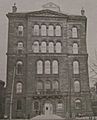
(11,97)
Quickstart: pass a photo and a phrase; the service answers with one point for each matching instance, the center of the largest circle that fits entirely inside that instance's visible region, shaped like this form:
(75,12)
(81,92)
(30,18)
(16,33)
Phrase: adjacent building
(47,63)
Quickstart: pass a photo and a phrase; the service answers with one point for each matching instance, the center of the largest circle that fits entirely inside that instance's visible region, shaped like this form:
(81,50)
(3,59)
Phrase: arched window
(36,105)
(39,85)
(55,67)
(47,85)
(74,32)
(43,47)
(35,47)
(36,30)
(20,47)
(19,67)
(19,87)
(39,67)
(75,48)
(77,104)
(19,104)
(51,47)
(58,47)
(55,85)
(58,30)
(76,67)
(43,30)
(76,86)
(50,30)
(47,67)
(20,30)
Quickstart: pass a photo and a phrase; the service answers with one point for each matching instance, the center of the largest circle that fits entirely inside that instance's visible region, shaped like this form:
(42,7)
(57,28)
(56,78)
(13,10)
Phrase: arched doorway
(48,108)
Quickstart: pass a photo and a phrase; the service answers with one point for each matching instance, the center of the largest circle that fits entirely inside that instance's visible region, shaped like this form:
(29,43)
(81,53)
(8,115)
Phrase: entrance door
(48,108)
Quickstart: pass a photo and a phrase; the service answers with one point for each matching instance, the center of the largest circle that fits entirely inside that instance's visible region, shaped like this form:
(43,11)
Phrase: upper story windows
(58,30)
(19,87)
(19,67)
(43,30)
(45,47)
(20,30)
(47,30)
(75,48)
(47,67)
(74,32)
(75,67)
(36,30)
(20,47)
(39,67)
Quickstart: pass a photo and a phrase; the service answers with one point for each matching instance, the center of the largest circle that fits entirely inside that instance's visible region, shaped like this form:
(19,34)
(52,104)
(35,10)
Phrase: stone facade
(65,100)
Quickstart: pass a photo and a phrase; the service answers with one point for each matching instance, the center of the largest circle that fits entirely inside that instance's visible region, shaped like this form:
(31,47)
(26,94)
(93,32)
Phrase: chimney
(14,8)
(82,12)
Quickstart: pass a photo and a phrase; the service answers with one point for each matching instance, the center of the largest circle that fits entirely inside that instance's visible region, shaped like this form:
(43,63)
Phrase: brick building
(47,50)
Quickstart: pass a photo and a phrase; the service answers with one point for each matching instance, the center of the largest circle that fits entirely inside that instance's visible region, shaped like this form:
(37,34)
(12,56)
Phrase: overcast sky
(67,6)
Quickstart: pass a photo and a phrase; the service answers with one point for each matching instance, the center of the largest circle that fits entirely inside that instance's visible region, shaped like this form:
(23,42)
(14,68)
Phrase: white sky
(67,6)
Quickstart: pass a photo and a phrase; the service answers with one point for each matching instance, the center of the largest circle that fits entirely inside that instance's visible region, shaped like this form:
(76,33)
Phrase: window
(36,105)
(43,30)
(20,30)
(35,47)
(19,67)
(51,47)
(58,30)
(55,67)
(39,85)
(20,47)
(43,47)
(39,67)
(58,47)
(59,106)
(76,86)
(19,87)
(76,67)
(77,104)
(75,48)
(36,30)
(55,85)
(50,30)
(47,85)
(74,32)
(47,67)
(19,104)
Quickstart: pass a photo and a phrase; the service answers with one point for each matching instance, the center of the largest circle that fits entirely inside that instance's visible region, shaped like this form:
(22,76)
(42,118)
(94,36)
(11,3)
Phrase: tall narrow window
(55,67)
(47,67)
(19,87)
(74,32)
(76,67)
(55,85)
(58,30)
(43,30)
(20,30)
(75,48)
(39,67)
(58,47)
(35,47)
(36,30)
(47,85)
(20,47)
(19,67)
(51,47)
(77,104)
(19,104)
(39,85)
(43,47)
(50,30)
(76,86)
